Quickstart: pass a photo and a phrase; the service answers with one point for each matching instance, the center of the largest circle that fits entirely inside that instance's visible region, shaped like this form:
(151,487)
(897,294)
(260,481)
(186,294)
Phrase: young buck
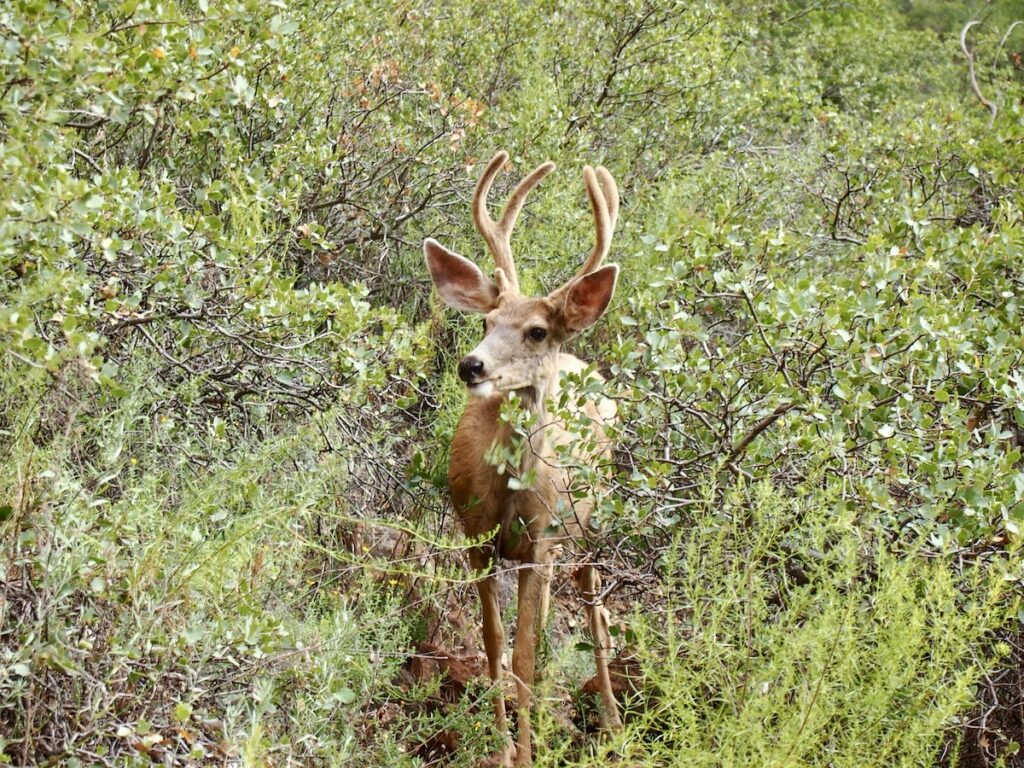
(521,353)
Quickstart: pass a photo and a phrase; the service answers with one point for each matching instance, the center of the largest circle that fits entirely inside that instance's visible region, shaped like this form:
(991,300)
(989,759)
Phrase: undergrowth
(790,633)
(227,393)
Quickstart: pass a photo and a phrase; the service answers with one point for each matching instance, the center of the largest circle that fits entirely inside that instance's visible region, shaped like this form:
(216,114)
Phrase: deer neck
(535,399)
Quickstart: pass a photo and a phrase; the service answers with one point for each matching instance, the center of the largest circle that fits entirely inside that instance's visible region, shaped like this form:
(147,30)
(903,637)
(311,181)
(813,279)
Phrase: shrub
(228,397)
(790,631)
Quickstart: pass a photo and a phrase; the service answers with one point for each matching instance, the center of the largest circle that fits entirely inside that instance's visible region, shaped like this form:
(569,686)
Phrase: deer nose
(471,369)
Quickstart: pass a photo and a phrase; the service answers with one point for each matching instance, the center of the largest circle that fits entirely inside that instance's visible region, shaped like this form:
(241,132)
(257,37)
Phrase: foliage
(228,395)
(899,374)
(817,642)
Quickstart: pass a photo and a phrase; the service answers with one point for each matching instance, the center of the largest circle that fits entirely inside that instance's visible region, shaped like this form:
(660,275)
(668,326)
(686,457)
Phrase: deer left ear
(587,297)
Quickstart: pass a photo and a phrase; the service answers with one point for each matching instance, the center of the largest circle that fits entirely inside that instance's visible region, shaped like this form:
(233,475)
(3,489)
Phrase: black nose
(471,369)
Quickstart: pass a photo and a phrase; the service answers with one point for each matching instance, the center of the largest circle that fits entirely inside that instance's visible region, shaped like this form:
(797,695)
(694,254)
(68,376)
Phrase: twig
(87,159)
(760,427)
(972,74)
(25,360)
(1006,37)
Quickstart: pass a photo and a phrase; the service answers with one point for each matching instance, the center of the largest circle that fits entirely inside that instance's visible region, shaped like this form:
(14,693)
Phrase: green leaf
(344,696)
(181,712)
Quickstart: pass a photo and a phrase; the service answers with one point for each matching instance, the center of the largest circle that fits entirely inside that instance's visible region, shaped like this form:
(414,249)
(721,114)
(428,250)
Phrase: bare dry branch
(972,75)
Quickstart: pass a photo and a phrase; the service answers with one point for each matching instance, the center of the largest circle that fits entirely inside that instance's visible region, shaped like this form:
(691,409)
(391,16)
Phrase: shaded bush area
(228,392)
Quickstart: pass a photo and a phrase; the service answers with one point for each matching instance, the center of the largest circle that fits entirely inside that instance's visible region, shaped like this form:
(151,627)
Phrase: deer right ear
(459,281)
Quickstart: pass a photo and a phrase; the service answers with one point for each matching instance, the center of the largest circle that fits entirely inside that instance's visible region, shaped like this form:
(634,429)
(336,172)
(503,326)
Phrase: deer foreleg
(589,582)
(494,645)
(534,590)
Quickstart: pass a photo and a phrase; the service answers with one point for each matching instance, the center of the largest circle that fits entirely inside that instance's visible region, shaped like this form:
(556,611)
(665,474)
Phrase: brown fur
(520,352)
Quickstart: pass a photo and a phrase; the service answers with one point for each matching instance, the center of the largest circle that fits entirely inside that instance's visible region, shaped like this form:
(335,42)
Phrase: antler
(605,205)
(497,234)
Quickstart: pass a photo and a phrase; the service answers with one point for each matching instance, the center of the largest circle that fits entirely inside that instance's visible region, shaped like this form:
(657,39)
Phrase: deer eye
(484,325)
(537,333)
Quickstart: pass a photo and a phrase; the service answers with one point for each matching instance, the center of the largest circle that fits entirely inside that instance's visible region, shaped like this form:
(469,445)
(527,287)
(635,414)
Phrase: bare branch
(1009,31)
(758,428)
(972,74)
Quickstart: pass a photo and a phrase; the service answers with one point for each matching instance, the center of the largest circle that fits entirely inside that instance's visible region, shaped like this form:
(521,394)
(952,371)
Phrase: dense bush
(792,635)
(228,394)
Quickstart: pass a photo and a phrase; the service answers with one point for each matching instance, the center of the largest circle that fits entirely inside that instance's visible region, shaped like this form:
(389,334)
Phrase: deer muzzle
(471,370)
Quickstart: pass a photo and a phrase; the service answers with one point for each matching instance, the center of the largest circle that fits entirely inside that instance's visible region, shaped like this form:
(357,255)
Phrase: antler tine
(611,195)
(484,223)
(497,235)
(515,202)
(605,206)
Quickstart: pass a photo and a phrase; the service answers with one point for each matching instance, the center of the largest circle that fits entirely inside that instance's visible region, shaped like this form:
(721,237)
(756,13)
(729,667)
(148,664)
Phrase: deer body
(527,523)
(477,487)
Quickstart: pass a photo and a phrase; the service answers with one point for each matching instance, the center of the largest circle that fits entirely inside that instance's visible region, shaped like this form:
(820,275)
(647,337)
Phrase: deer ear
(459,281)
(587,297)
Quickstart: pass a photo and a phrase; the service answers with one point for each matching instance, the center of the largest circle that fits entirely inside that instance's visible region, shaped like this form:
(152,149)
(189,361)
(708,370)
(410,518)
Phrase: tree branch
(972,74)
(760,427)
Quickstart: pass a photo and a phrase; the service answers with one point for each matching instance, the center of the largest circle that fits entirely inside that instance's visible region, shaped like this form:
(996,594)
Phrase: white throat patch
(483,389)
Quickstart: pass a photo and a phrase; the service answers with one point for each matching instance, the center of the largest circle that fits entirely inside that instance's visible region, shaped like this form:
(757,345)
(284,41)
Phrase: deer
(521,353)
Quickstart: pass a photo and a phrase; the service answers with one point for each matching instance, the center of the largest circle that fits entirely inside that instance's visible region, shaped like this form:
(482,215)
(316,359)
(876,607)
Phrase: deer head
(522,335)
